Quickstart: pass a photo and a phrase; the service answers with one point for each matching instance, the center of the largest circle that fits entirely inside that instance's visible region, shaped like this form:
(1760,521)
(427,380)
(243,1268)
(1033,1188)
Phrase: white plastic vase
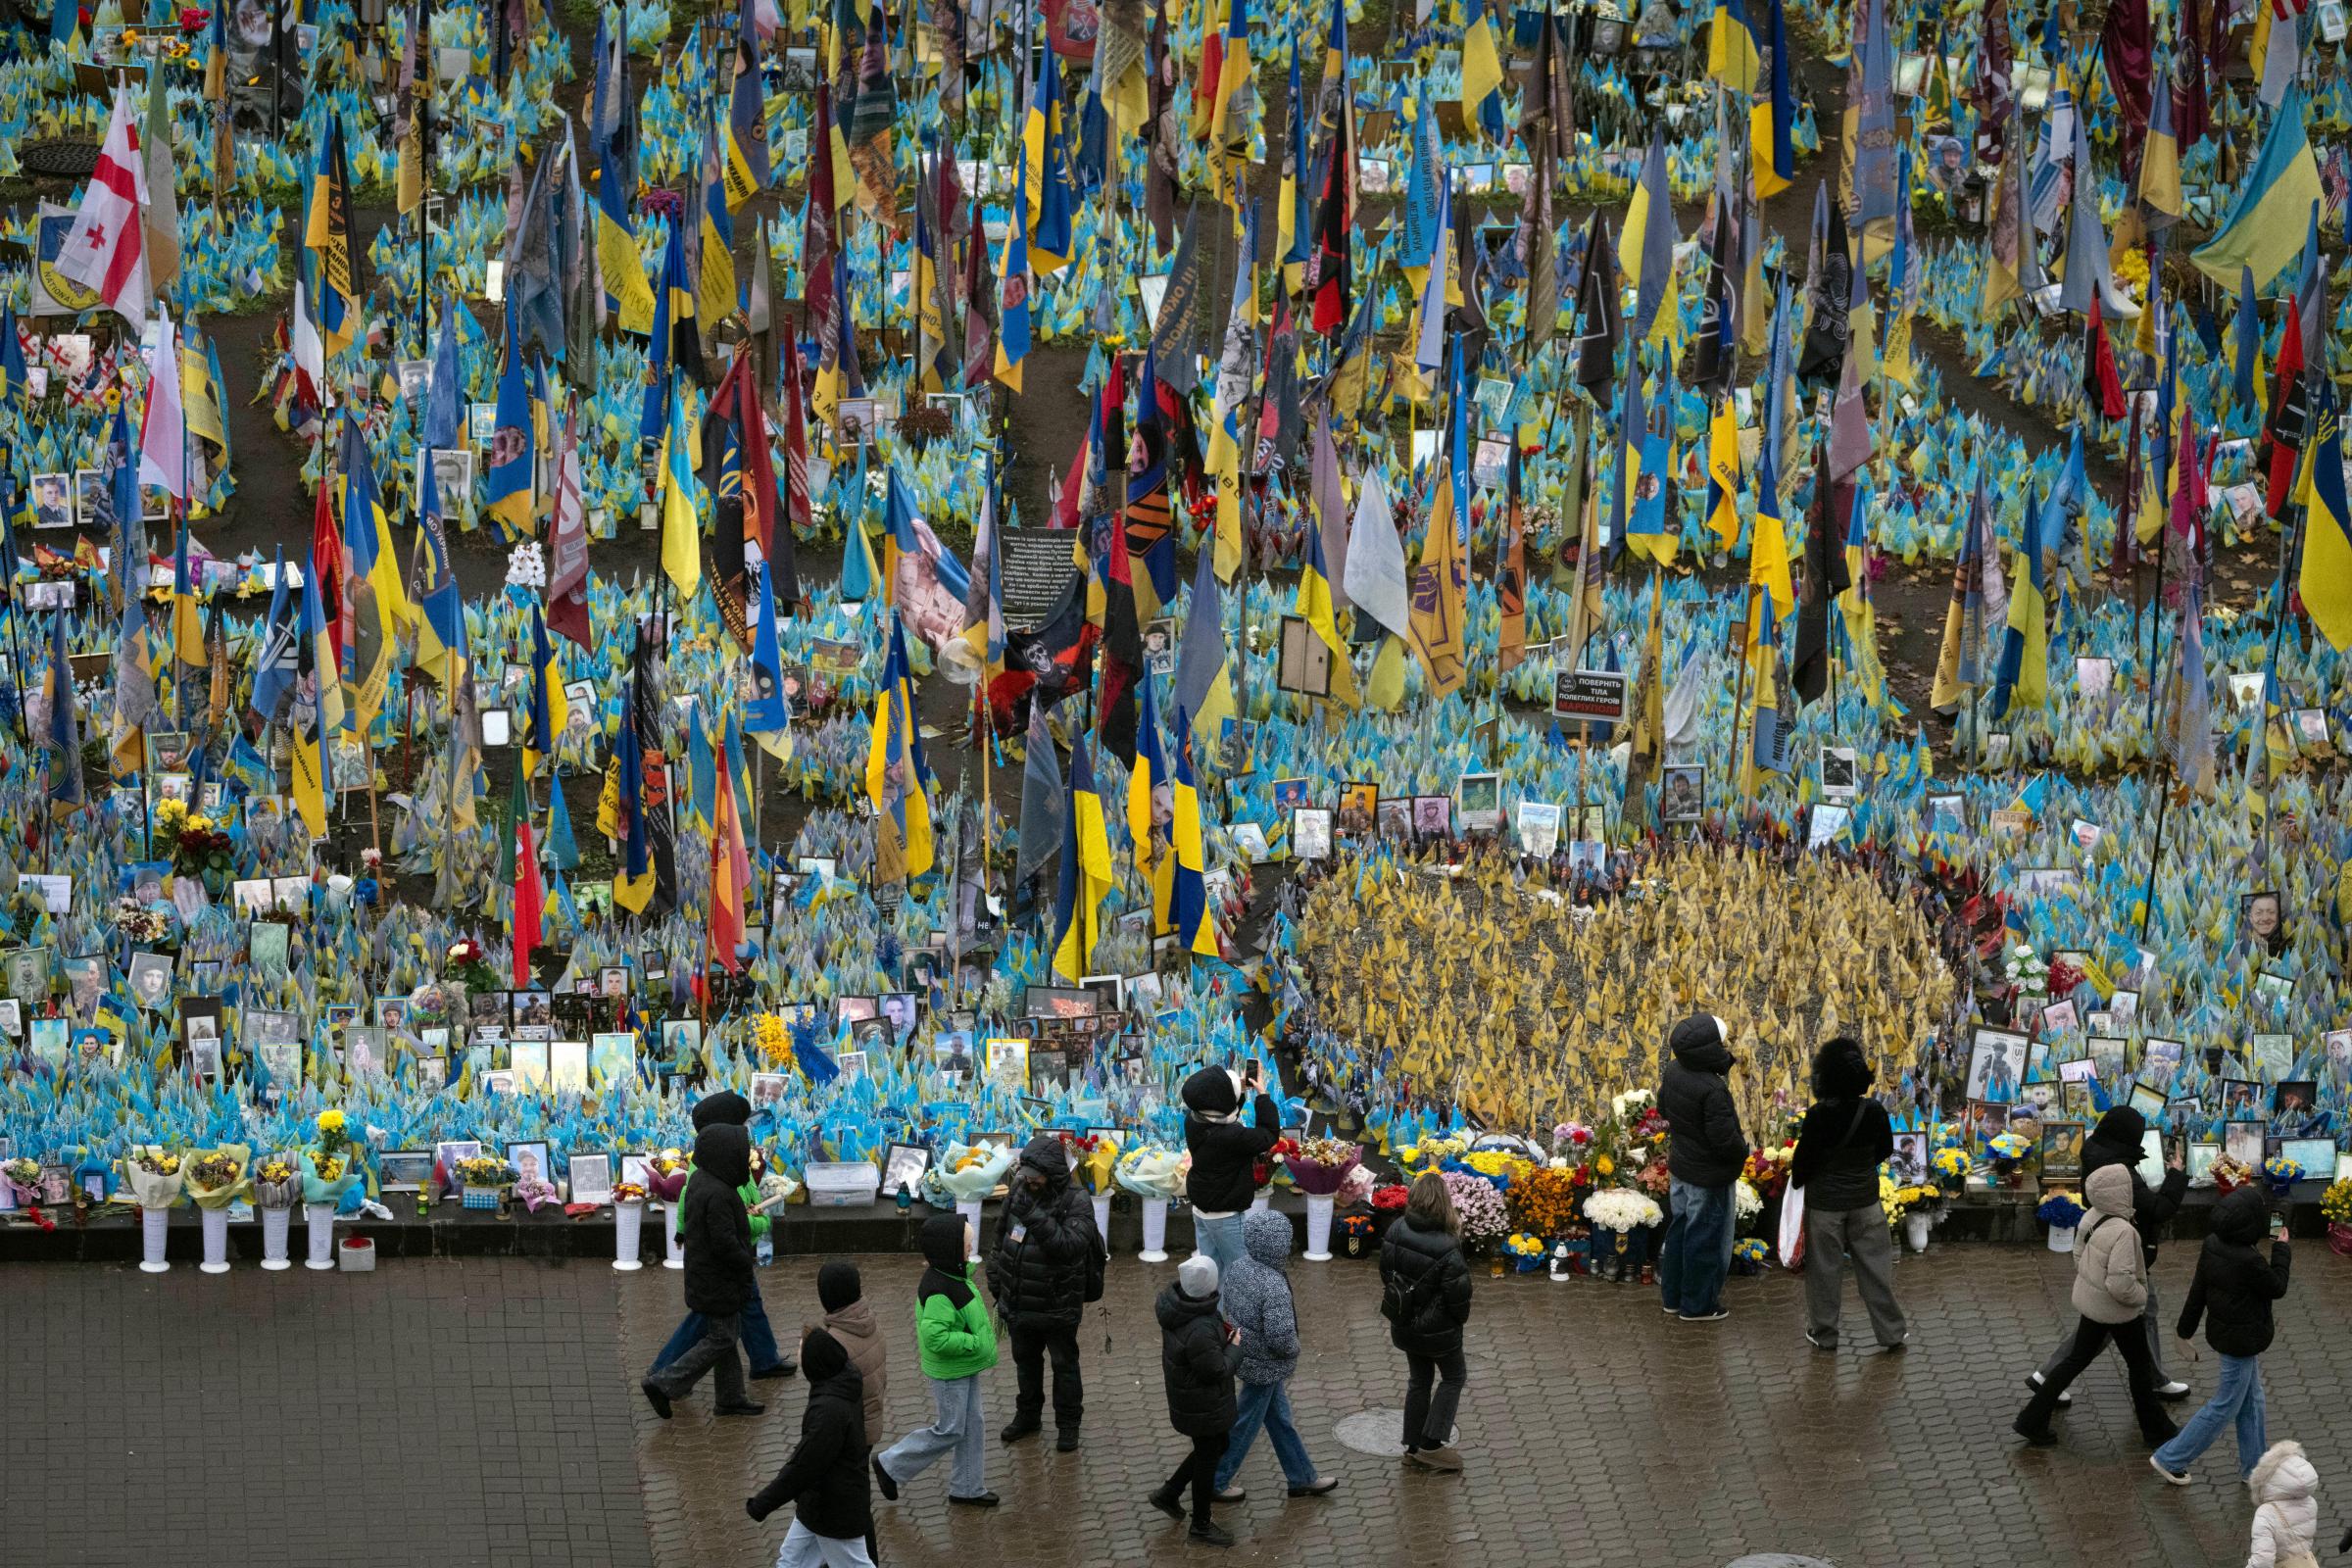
(321,1217)
(1915,1232)
(154,1225)
(1261,1203)
(628,1234)
(674,1240)
(968,1212)
(216,1240)
(275,1223)
(1103,1217)
(2062,1237)
(1155,1231)
(1318,1226)
(8,1199)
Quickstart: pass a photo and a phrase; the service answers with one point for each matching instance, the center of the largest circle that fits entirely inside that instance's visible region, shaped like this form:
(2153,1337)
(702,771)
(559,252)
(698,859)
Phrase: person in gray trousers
(1845,1138)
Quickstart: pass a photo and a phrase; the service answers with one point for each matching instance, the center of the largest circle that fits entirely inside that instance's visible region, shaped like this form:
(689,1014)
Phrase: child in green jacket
(956,1341)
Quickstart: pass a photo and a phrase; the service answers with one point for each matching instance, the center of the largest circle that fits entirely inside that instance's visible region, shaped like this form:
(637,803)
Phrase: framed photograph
(27,970)
(2271,1055)
(613,1056)
(2242,1140)
(1982,1119)
(1360,807)
(1310,833)
(2242,1098)
(1681,795)
(2201,1158)
(903,1168)
(2338,1044)
(2059,1017)
(2316,1156)
(498,727)
(1480,796)
(1394,819)
(151,980)
(1908,1164)
(1059,1002)
(1947,813)
(952,1054)
(12,1019)
(1304,665)
(1840,772)
(865,1035)
(53,501)
(2148,1102)
(2061,1150)
(1996,1065)
(531,1161)
(2292,1101)
(51,1041)
(1433,816)
(567,1067)
(1289,793)
(2262,917)
(2275,988)
(2106,1054)
(768,1089)
(2075,1099)
(681,1039)
(405,1170)
(445,1160)
(590,1178)
(526,1062)
(1008,1063)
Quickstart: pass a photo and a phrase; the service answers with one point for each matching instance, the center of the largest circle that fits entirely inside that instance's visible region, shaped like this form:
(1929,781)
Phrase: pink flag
(107,251)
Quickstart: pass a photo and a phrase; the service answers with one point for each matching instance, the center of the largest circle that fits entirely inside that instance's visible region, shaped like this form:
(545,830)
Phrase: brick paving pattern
(485,1412)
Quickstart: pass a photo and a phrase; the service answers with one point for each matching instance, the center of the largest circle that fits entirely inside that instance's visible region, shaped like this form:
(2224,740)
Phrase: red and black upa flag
(1334,260)
(2102,387)
(2290,418)
(1150,510)
(1122,646)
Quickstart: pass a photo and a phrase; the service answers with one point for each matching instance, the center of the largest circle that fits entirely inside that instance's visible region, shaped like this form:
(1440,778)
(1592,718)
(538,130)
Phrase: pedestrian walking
(1705,1151)
(1046,1266)
(1197,1355)
(1223,1178)
(2118,1139)
(1256,1298)
(2286,1514)
(1425,1294)
(759,1338)
(718,1273)
(824,1476)
(2231,1294)
(2111,1290)
(850,1319)
(956,1341)
(1844,1140)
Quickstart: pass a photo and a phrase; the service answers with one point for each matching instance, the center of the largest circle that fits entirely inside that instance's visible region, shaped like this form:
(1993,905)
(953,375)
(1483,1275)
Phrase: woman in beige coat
(2111,1288)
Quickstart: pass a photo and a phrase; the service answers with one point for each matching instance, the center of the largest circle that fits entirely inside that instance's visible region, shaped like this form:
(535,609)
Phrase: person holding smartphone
(2231,1294)
(1225,1154)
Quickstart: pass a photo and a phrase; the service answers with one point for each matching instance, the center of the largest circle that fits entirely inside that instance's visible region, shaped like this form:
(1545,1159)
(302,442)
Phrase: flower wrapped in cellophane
(277,1181)
(965,1173)
(1153,1170)
(217,1177)
(1322,1165)
(1093,1160)
(666,1175)
(155,1175)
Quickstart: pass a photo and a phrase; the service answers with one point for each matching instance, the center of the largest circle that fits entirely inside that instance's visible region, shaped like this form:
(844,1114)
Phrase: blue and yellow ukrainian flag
(1196,927)
(1314,606)
(2023,675)
(2325,579)
(2266,224)
(1772,120)
(897,777)
(1046,168)
(551,710)
(618,263)
(513,451)
(1085,874)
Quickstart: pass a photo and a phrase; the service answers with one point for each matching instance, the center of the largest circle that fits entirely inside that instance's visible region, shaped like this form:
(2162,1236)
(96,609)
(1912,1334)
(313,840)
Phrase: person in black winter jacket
(1047,1248)
(718,1271)
(1845,1138)
(1425,1294)
(1225,1154)
(2115,1141)
(2231,1294)
(1199,1355)
(759,1339)
(824,1476)
(1705,1151)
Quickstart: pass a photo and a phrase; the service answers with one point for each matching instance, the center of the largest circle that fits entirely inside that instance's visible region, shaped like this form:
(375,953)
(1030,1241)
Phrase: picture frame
(1310,833)
(2244,1141)
(1908,1164)
(2202,1157)
(1841,771)
(531,1161)
(768,1089)
(903,1166)
(1947,813)
(403,1170)
(2062,1151)
(1304,665)
(1681,794)
(2317,1156)
(445,1155)
(1996,1065)
(1479,798)
(589,1178)
(1433,816)
(1008,1063)
(612,1056)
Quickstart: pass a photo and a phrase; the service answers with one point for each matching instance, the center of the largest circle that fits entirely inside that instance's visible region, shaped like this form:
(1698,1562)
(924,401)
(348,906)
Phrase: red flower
(1391,1196)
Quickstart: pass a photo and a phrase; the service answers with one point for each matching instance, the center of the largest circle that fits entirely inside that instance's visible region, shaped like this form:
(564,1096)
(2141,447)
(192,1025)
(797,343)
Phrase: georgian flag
(107,249)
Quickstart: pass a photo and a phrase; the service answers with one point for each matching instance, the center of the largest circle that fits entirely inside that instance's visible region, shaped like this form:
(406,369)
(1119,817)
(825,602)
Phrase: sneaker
(1018,1430)
(1822,1342)
(2179,1477)
(1066,1441)
(2066,1397)
(2039,1437)
(1166,1503)
(1898,1346)
(2174,1391)
(884,1480)
(1716,1316)
(1445,1457)
(745,1407)
(655,1398)
(782,1369)
(1671,1311)
(1233,1494)
(1320,1487)
(985,1500)
(1205,1533)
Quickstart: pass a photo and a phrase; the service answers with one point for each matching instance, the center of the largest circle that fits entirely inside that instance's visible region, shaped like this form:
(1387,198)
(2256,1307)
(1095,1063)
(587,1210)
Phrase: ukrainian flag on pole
(2265,228)
(2023,676)
(1085,874)
(2325,580)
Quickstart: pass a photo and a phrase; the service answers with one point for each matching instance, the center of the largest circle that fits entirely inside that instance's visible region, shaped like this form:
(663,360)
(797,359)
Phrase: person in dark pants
(1847,1137)
(1199,1355)
(2111,1290)
(824,1477)
(759,1339)
(1425,1294)
(718,1272)
(1705,1151)
(1046,1252)
(2117,1141)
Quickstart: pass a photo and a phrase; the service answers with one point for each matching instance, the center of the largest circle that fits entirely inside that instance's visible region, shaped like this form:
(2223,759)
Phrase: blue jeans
(955,1429)
(1220,1239)
(2239,1396)
(1266,1404)
(1697,1251)
(758,1339)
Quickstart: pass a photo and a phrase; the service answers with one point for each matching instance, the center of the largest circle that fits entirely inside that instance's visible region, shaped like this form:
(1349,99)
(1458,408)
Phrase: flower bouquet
(1950,1167)
(465,964)
(216,1178)
(2335,1208)
(628,1226)
(1094,1164)
(2283,1174)
(1391,1199)
(2061,1212)
(21,1180)
(537,1193)
(1480,1207)
(1153,1173)
(2008,1150)
(1747,1205)
(155,1176)
(1616,1213)
(1767,1171)
(1543,1201)
(2230,1174)
(1524,1252)
(1358,1234)
(276,1184)
(486,1179)
(1320,1165)
(666,1174)
(139,925)
(1748,1254)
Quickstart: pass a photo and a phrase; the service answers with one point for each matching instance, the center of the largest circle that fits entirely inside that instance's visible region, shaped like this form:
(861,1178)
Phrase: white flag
(1374,575)
(107,251)
(164,432)
(310,354)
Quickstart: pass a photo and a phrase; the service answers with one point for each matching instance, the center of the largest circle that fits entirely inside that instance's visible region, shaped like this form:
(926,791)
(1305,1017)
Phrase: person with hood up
(1046,1264)
(718,1272)
(2232,1293)
(1425,1294)
(1225,1154)
(2117,1141)
(956,1341)
(1197,1355)
(1256,1301)
(759,1338)
(1845,1138)
(1705,1151)
(2111,1290)
(2286,1514)
(851,1321)
(825,1475)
